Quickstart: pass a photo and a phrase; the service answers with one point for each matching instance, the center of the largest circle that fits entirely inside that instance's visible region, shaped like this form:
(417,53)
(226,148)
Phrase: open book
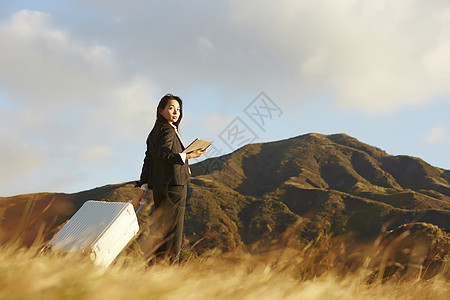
(197,144)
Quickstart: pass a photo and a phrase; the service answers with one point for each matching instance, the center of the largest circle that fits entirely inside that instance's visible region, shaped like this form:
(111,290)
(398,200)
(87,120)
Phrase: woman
(166,171)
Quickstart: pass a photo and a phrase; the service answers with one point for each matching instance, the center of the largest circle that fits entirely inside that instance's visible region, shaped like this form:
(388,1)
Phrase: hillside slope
(334,184)
(312,184)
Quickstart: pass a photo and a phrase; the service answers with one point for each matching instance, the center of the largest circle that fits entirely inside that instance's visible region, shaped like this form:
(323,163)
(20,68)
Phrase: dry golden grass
(327,268)
(322,270)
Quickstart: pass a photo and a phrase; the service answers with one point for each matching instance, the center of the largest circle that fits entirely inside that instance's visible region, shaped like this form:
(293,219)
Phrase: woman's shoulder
(165,126)
(162,128)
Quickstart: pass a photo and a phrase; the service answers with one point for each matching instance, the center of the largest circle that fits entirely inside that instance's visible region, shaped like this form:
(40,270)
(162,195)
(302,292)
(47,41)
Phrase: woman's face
(172,111)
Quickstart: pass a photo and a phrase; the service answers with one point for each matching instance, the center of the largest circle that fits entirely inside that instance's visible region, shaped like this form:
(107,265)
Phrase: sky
(80,80)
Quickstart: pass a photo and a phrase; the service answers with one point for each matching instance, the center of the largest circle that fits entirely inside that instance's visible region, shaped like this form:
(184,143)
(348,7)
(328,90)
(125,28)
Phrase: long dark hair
(163,103)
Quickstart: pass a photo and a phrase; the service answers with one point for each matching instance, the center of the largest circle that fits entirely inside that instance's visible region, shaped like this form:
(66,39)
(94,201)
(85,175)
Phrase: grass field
(321,270)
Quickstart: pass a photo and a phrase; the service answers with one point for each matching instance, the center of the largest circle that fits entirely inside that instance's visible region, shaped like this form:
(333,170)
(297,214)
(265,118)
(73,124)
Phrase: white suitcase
(100,229)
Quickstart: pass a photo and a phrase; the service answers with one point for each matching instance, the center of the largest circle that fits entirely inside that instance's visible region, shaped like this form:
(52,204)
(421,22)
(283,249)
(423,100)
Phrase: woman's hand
(195,153)
(138,198)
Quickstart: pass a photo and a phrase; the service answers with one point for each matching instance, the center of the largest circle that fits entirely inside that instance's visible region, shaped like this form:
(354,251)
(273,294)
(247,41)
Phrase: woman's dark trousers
(170,205)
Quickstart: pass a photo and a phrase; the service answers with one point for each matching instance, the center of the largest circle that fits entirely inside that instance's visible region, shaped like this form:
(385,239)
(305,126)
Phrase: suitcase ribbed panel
(87,225)
(115,238)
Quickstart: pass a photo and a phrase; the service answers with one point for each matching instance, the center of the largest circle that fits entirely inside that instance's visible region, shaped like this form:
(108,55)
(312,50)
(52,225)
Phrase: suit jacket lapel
(179,137)
(182,146)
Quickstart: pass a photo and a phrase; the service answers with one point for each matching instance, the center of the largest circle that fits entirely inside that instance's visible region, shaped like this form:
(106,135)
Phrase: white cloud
(205,45)
(43,66)
(17,157)
(437,62)
(377,56)
(315,64)
(438,135)
(95,154)
(75,106)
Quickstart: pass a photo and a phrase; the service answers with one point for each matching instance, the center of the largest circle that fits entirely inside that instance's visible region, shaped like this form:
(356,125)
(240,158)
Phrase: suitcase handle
(142,202)
(140,207)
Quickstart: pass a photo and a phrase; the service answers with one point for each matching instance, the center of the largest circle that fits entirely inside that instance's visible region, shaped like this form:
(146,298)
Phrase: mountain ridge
(331,184)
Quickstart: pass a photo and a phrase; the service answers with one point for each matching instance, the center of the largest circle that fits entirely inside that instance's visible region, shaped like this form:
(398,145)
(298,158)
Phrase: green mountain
(291,191)
(328,184)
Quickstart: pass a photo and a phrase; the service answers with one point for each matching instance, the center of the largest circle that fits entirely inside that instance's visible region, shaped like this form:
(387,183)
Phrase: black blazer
(162,163)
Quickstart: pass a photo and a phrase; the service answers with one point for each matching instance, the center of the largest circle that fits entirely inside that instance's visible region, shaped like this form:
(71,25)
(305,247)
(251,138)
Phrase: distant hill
(26,215)
(310,186)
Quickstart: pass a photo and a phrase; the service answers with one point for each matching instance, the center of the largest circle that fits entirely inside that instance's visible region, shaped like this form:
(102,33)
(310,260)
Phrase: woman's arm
(166,139)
